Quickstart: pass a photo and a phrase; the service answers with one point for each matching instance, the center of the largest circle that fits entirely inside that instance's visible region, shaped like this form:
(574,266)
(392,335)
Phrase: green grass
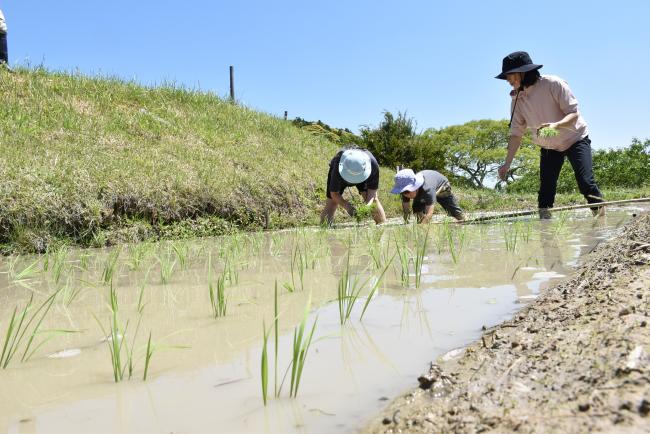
(95,161)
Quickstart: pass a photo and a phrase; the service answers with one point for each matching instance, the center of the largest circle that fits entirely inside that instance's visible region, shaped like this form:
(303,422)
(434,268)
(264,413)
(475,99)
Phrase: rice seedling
(548,132)
(264,364)
(230,271)
(350,288)
(141,303)
(110,265)
(83,260)
(510,235)
(255,243)
(375,286)
(299,350)
(561,221)
(167,264)
(23,277)
(58,266)
(373,238)
(20,326)
(276,243)
(181,249)
(404,255)
(265,361)
(527,230)
(363,212)
(70,291)
(115,336)
(454,243)
(147,360)
(298,265)
(129,349)
(276,335)
(138,253)
(301,344)
(217,300)
(420,250)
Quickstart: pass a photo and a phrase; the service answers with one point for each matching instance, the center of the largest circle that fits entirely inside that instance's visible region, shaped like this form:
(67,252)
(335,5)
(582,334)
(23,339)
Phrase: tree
(395,142)
(390,142)
(475,150)
(627,167)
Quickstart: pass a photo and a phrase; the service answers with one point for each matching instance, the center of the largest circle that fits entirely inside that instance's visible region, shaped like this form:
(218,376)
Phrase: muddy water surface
(204,374)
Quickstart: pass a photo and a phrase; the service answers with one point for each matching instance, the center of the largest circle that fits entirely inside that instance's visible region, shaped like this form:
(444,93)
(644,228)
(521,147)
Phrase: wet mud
(575,360)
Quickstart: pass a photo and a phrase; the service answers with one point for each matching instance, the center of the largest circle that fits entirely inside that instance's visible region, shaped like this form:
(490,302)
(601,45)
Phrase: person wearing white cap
(352,167)
(425,188)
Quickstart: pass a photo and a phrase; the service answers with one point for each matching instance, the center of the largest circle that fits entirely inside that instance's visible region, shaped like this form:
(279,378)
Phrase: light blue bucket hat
(354,166)
(407,180)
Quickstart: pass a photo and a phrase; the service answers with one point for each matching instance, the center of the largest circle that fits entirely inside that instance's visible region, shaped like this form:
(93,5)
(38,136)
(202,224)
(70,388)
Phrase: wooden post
(285,115)
(232,83)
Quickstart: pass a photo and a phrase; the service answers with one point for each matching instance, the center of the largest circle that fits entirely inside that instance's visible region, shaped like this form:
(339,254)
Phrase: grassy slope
(81,158)
(93,161)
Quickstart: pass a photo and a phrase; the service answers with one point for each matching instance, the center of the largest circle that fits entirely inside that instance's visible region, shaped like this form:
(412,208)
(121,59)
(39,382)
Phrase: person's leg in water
(327,214)
(579,155)
(550,164)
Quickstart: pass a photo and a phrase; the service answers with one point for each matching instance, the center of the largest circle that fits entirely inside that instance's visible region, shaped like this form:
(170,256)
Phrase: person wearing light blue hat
(425,188)
(352,167)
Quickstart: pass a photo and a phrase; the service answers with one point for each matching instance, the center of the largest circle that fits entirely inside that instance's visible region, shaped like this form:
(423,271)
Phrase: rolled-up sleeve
(564,97)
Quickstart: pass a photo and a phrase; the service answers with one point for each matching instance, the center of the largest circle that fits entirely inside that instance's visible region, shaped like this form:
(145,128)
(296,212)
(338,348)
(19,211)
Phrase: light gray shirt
(426,194)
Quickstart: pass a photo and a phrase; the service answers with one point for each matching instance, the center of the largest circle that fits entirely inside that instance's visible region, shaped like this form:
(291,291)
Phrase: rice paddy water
(204,334)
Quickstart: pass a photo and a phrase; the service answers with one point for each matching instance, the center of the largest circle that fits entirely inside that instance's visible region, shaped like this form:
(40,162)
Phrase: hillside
(94,161)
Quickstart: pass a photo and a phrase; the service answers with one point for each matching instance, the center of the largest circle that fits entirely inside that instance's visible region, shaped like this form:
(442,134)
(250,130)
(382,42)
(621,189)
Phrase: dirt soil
(576,360)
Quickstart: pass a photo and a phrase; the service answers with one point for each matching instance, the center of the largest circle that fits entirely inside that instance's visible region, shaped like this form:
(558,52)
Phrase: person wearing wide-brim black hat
(545,105)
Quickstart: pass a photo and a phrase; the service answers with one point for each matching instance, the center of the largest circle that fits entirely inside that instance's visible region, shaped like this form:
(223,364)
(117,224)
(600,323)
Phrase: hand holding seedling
(548,129)
(364,211)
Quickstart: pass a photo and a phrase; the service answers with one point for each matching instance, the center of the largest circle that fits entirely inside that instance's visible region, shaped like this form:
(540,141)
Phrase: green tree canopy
(627,167)
(475,150)
(395,142)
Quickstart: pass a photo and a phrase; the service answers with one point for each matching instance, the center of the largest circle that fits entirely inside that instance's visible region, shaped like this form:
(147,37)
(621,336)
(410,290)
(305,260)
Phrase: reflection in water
(215,383)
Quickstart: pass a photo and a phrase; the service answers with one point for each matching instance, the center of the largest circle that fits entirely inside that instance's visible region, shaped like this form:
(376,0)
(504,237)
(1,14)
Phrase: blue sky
(345,62)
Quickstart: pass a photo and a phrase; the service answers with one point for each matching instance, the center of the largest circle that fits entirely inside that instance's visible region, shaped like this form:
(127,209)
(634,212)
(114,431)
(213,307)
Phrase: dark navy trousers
(550,164)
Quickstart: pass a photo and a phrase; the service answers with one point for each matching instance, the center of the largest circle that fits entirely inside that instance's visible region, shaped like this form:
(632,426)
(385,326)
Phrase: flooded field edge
(575,360)
(424,291)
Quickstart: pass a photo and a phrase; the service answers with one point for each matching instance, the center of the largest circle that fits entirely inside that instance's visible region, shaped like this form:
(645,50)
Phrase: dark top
(337,184)
(427,193)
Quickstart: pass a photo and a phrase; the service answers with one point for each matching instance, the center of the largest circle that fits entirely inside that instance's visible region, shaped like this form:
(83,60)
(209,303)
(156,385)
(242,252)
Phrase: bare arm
(406,211)
(513,146)
(338,199)
(563,123)
(428,213)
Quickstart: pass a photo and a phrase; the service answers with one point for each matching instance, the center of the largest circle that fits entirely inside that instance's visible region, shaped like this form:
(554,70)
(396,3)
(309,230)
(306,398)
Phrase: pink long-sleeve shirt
(548,100)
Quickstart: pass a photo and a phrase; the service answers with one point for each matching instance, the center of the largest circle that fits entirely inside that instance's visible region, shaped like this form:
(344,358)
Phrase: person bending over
(352,167)
(425,188)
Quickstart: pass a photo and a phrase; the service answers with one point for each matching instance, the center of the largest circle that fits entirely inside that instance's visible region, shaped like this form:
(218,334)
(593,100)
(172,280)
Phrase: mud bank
(576,360)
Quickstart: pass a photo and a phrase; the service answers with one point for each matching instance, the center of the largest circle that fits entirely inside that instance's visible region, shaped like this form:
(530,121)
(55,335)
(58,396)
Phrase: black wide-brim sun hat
(519,61)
